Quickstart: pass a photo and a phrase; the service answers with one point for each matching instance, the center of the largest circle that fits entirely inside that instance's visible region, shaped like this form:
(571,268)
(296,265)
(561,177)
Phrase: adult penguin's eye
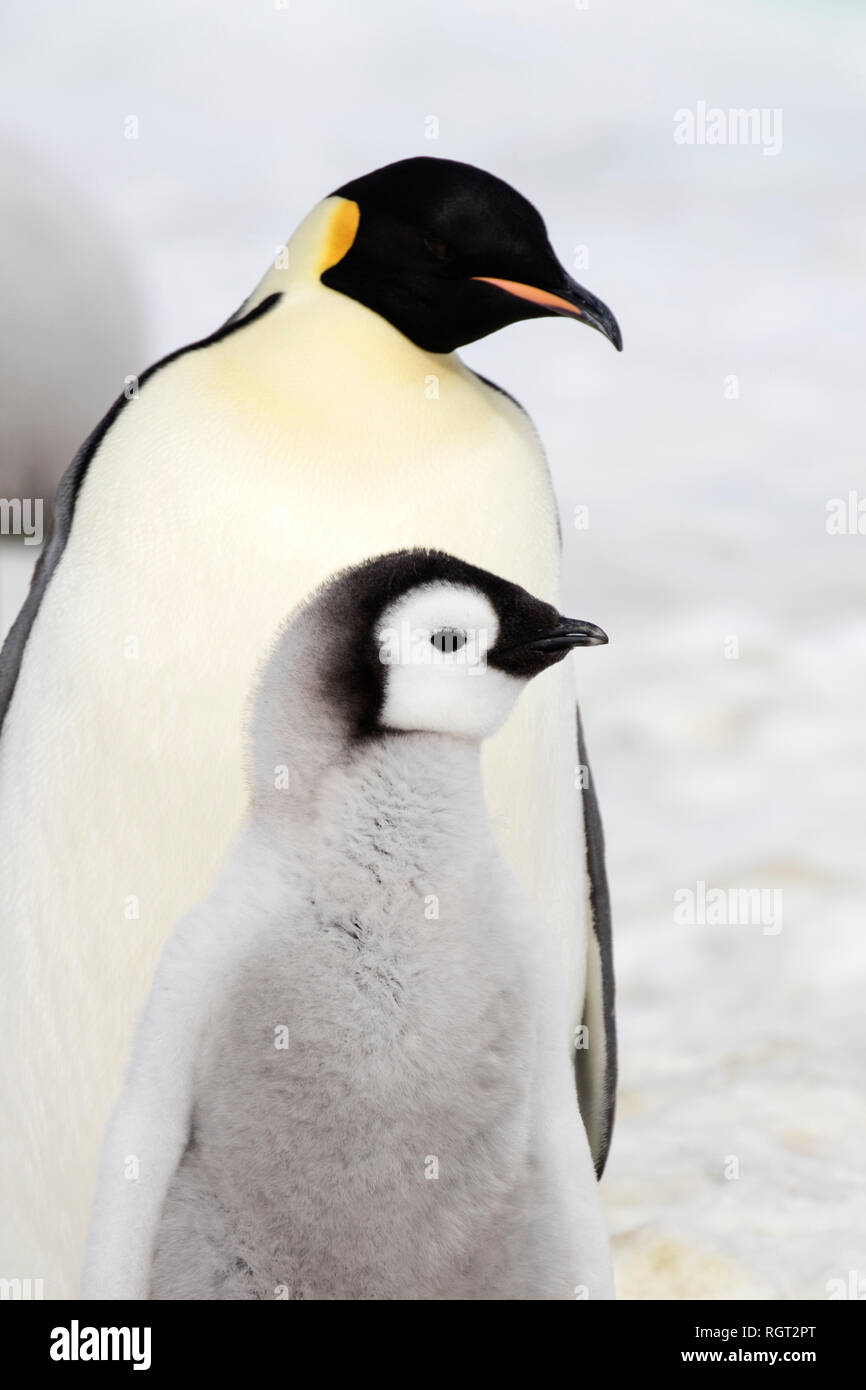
(440,249)
(448,639)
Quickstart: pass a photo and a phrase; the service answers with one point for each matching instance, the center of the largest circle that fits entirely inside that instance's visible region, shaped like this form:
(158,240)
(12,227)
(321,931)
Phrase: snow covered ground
(726,718)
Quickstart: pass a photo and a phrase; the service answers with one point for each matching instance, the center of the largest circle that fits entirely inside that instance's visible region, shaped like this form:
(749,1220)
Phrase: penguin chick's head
(418,641)
(448,253)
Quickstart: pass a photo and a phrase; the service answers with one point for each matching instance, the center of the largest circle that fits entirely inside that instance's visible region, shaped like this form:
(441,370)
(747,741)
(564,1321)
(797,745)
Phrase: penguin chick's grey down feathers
(351,1080)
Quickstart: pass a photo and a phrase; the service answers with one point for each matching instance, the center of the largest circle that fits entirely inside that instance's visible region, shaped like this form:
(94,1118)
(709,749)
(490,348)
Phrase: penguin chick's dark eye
(440,249)
(448,639)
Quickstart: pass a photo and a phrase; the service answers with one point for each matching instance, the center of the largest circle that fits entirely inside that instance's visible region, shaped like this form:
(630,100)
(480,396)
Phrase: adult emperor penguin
(328,420)
(350,1082)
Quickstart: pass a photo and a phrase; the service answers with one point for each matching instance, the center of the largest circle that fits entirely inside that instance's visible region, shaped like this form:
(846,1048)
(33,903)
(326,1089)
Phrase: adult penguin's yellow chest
(243,475)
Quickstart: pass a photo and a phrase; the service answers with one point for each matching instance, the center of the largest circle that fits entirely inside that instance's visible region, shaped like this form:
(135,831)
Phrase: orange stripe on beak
(542,297)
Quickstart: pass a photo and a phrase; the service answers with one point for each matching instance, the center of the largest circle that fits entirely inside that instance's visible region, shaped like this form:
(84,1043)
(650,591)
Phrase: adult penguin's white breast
(244,474)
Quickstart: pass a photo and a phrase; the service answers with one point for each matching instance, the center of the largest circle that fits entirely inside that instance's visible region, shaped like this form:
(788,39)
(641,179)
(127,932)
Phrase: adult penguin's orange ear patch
(341,233)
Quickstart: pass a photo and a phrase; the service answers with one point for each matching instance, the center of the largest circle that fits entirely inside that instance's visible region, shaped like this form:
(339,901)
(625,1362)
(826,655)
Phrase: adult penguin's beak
(570,299)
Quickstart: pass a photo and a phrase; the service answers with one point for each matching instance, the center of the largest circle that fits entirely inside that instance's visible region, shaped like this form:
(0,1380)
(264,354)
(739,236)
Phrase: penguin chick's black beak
(529,656)
(571,300)
(571,632)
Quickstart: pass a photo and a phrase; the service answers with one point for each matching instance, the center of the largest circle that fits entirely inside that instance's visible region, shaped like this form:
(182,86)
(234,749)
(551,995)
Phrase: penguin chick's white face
(433,643)
(413,641)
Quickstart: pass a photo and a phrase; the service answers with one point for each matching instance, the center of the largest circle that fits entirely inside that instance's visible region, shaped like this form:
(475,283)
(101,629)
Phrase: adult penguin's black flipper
(596,1063)
(16,640)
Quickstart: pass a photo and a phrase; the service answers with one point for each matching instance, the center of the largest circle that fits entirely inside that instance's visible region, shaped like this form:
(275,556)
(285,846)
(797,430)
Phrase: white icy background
(707,515)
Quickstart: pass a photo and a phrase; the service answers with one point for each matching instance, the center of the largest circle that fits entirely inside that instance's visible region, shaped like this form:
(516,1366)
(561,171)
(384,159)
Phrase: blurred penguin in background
(70,326)
(69,334)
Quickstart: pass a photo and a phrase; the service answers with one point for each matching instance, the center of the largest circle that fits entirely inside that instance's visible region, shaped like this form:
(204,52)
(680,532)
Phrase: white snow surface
(742,1051)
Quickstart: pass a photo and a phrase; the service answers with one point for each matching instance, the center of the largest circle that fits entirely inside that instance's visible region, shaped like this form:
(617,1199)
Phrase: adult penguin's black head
(447,254)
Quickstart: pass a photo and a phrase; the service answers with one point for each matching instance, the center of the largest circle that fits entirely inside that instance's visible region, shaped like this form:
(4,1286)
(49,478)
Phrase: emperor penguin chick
(351,1079)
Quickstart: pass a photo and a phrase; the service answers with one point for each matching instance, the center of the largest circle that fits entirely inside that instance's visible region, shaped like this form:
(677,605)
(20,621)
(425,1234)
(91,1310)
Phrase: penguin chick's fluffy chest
(364,1090)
